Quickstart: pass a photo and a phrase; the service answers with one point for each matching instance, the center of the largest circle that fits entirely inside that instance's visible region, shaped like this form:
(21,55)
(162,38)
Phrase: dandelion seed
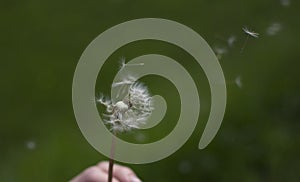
(238,81)
(123,85)
(103,100)
(124,82)
(285,3)
(273,29)
(31,145)
(123,63)
(231,40)
(220,51)
(249,34)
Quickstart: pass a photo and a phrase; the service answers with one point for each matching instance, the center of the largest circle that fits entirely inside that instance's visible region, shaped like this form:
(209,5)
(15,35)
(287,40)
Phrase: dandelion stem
(110,170)
(111,160)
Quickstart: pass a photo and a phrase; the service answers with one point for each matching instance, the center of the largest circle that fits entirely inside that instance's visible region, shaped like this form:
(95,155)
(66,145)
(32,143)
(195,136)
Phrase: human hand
(99,173)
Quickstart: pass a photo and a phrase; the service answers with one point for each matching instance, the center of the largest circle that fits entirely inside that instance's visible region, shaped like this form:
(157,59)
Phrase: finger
(93,174)
(122,173)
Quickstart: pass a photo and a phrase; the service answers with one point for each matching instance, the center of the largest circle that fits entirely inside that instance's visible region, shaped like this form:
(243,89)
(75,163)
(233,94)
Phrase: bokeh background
(41,42)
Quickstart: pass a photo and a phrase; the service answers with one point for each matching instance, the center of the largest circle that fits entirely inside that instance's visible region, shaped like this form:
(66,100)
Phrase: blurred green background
(259,140)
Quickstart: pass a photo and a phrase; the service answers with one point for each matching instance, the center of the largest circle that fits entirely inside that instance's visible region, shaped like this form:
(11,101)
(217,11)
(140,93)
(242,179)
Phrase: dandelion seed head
(250,33)
(109,108)
(121,106)
(132,110)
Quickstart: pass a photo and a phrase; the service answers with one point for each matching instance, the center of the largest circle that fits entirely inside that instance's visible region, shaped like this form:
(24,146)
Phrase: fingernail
(134,179)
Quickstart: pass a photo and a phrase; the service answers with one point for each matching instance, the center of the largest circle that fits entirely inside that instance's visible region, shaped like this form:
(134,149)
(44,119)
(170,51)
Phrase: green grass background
(41,42)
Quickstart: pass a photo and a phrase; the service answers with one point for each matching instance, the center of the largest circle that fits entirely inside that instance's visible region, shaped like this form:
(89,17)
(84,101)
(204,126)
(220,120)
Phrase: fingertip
(115,180)
(120,173)
(134,179)
(94,174)
(125,174)
(103,165)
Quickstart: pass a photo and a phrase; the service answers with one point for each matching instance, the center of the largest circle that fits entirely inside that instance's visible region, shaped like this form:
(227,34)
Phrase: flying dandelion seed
(220,51)
(273,29)
(238,81)
(31,145)
(285,3)
(231,40)
(249,33)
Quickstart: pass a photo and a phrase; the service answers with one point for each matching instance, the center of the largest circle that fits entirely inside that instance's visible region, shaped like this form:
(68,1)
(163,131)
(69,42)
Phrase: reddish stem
(111,160)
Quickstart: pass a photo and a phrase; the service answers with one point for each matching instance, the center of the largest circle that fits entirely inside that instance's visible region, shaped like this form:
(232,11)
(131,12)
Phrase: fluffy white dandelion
(131,112)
